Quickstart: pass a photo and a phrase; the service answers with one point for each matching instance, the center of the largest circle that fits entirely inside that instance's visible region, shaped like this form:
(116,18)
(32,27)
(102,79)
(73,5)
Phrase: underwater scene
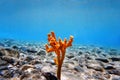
(59,40)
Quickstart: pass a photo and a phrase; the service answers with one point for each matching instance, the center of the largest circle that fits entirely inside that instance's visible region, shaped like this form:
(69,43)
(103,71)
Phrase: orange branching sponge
(59,47)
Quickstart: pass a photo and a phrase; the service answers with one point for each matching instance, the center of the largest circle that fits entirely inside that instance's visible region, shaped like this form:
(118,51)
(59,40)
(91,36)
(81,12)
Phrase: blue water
(89,21)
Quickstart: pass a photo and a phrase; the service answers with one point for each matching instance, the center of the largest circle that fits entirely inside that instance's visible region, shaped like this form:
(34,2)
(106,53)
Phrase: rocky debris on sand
(9,52)
(25,61)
